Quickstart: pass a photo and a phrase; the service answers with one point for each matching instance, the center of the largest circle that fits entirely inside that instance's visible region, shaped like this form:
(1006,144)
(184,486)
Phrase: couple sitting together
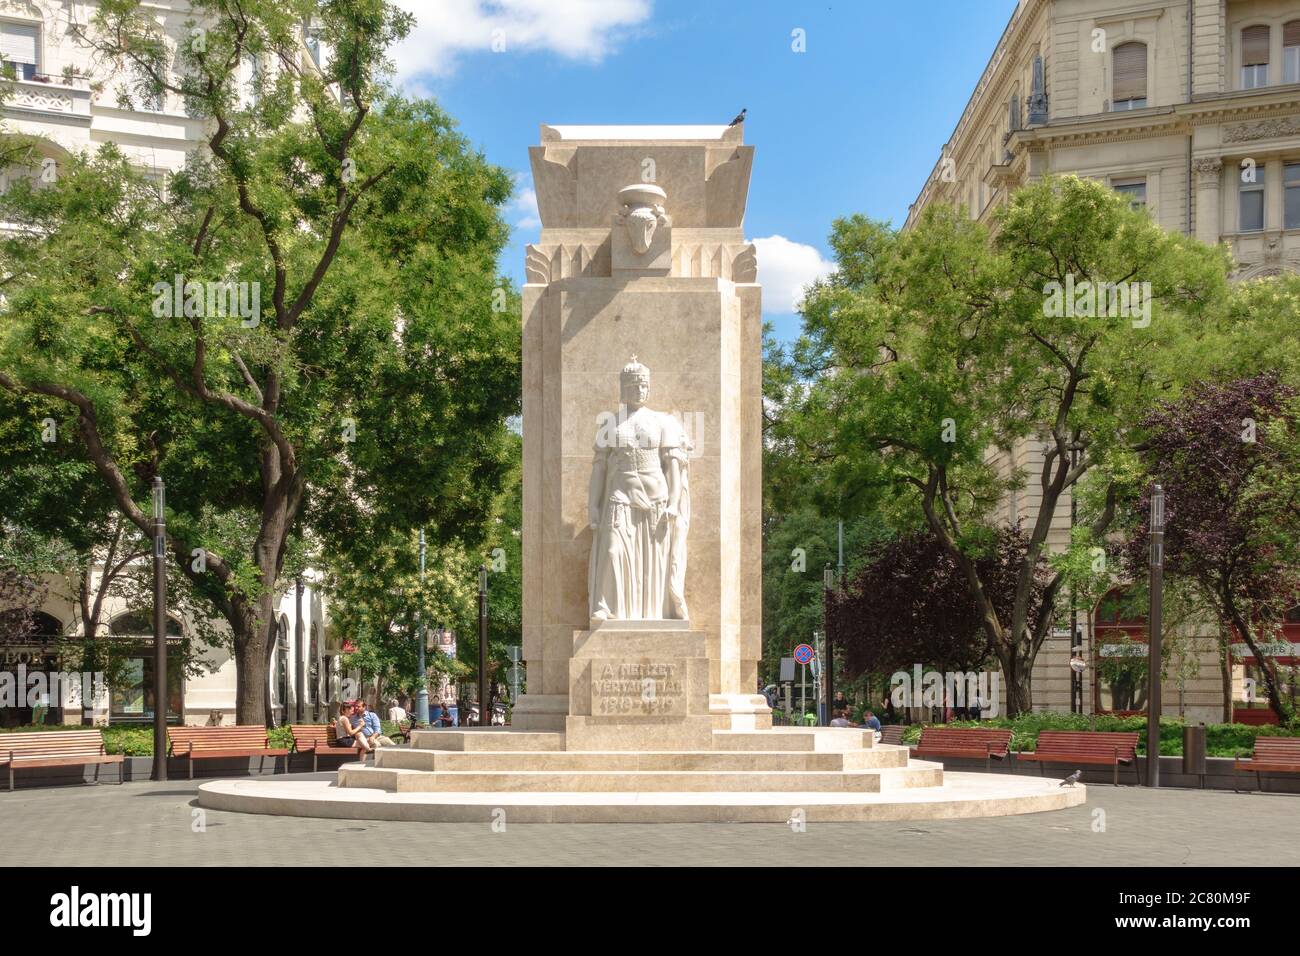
(358,726)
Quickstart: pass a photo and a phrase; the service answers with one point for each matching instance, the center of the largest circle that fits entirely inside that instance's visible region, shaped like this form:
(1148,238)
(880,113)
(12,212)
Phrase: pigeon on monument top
(1072,779)
(740,118)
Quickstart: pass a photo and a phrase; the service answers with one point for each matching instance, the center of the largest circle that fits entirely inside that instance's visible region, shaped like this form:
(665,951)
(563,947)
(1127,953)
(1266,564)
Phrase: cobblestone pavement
(155,824)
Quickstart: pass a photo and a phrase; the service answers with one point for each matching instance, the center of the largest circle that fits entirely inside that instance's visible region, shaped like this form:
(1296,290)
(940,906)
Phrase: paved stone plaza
(144,824)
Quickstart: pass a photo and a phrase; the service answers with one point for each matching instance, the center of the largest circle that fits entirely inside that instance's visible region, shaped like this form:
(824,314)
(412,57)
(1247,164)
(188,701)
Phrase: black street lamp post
(484,700)
(422,694)
(159,631)
(828,582)
(1153,634)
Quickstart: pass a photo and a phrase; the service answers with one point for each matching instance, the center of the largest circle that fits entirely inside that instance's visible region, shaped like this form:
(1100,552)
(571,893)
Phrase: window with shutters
(1129,89)
(1254,56)
(19,48)
(1292,213)
(1250,202)
(1291,52)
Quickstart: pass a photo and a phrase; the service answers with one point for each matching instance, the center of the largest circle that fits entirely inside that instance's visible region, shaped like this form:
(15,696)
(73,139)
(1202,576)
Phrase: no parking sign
(803,653)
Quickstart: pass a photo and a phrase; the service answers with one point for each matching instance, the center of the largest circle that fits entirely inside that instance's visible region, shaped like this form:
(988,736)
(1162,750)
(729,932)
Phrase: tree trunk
(250,693)
(1267,666)
(250,669)
(1225,673)
(1017,674)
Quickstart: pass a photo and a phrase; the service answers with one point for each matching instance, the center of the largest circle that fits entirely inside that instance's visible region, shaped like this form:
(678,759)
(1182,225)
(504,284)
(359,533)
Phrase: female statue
(638,506)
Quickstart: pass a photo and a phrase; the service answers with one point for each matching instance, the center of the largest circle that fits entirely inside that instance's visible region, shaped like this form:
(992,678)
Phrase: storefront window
(131,698)
(131,692)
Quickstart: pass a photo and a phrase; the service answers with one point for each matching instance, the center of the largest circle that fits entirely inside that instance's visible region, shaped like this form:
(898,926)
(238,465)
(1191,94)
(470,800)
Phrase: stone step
(405,758)
(486,739)
(617,781)
(822,739)
(963,795)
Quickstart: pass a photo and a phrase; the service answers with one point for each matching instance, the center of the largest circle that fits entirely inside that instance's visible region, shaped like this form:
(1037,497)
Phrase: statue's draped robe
(638,559)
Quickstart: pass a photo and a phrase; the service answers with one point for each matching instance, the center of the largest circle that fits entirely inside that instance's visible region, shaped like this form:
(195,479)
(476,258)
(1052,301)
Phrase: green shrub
(134,741)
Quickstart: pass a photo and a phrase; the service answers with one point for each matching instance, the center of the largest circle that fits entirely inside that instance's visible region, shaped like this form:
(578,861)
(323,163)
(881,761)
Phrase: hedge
(1221,740)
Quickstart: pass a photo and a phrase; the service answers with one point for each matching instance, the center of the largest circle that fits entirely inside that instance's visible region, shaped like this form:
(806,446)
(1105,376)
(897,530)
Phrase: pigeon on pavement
(1072,779)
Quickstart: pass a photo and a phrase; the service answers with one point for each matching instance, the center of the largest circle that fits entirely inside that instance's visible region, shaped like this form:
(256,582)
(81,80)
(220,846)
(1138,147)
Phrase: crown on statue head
(634,372)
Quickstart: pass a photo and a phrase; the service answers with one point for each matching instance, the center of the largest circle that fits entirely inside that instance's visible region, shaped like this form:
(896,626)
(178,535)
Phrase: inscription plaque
(638,688)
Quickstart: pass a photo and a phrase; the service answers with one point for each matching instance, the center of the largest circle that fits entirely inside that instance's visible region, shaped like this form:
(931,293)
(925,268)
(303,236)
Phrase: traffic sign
(803,653)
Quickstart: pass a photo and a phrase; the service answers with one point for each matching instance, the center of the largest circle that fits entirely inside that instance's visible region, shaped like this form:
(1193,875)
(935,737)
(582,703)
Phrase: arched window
(280,671)
(1255,42)
(1291,52)
(25,626)
(1129,89)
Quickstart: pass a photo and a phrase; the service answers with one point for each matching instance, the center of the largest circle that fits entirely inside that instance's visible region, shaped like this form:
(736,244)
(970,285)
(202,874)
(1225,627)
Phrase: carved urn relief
(642,213)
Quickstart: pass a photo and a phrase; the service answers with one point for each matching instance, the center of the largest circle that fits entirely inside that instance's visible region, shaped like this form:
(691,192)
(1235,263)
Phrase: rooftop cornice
(1024,14)
(1098,127)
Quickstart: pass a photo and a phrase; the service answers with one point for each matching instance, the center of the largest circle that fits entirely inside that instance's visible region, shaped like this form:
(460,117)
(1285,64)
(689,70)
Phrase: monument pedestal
(639,685)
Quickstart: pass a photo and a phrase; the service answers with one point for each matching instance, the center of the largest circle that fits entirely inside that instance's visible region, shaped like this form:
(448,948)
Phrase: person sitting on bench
(350,731)
(373,728)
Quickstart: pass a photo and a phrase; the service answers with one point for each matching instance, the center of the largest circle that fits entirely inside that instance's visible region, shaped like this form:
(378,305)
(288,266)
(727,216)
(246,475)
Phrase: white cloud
(524,205)
(785,268)
(575,29)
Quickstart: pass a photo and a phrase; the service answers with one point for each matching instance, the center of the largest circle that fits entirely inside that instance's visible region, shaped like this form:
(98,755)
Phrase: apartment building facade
(1192,109)
(70,102)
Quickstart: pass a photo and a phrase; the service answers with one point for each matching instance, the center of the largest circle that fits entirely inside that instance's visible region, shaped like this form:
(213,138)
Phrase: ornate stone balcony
(50,96)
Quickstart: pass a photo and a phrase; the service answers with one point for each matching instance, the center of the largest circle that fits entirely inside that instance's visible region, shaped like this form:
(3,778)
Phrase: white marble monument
(642,253)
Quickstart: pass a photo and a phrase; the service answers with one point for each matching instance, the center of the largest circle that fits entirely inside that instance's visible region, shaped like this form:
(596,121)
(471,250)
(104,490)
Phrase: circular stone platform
(961,795)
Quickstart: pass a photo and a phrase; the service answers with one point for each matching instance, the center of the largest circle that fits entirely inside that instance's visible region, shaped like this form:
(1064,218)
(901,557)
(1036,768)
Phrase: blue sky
(853,124)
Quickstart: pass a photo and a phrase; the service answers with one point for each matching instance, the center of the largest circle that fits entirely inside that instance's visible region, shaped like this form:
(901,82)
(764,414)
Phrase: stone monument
(641,540)
(642,328)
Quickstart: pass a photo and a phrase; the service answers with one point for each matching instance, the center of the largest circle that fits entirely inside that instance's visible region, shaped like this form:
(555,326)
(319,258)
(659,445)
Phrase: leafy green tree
(336,364)
(931,351)
(796,549)
(1226,456)
(380,606)
(378,597)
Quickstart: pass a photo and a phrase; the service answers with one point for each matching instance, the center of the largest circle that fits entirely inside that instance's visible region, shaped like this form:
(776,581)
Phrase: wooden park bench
(1272,755)
(1084,747)
(892,734)
(317,739)
(55,748)
(988,743)
(211,743)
